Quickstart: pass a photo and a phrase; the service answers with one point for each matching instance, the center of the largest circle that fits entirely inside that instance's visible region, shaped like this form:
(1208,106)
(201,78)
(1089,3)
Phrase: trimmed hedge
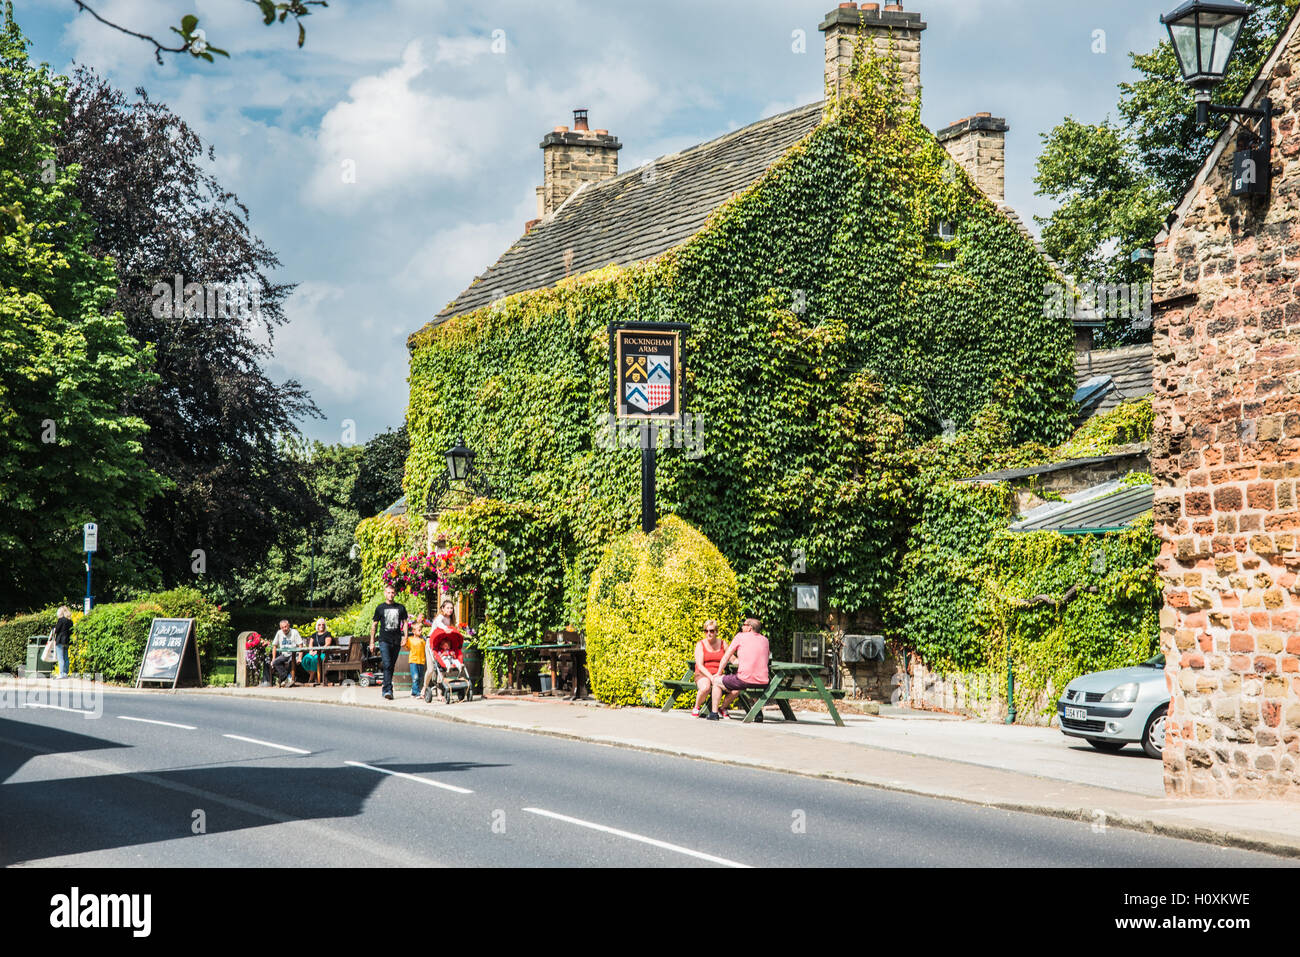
(649,598)
(110,640)
(14,634)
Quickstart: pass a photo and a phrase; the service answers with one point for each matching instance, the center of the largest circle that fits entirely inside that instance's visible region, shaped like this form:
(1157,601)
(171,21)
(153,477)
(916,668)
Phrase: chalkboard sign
(170,654)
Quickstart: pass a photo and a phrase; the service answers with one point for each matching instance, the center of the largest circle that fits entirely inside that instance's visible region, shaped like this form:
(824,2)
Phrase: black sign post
(170,654)
(645,383)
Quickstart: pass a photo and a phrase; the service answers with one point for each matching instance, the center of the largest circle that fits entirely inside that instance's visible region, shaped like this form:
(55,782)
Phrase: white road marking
(56,707)
(165,724)
(410,777)
(266,744)
(637,837)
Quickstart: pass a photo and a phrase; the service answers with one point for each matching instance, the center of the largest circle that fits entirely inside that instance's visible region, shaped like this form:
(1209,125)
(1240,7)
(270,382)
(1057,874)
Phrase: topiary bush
(649,598)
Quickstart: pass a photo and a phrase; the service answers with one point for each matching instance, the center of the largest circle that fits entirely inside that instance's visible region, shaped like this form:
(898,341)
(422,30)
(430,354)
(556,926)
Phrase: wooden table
(516,655)
(790,681)
(322,650)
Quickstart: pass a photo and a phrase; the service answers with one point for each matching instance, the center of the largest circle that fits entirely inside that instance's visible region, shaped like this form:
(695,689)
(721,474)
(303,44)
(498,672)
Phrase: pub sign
(647,372)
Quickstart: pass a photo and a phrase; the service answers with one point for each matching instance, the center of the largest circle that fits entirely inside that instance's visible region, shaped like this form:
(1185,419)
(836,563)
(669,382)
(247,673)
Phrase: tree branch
(159,49)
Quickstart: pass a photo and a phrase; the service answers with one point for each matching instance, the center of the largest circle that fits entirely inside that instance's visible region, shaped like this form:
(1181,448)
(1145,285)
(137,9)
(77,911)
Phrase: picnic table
(788,681)
(517,656)
(323,653)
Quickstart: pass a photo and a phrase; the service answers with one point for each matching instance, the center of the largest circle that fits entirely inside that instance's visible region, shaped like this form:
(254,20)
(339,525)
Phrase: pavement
(1026,769)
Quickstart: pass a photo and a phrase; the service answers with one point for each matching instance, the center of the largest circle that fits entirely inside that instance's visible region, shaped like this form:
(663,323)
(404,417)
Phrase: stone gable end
(1226,453)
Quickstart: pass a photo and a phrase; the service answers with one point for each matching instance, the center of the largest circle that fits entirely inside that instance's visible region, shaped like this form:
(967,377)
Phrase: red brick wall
(1227,452)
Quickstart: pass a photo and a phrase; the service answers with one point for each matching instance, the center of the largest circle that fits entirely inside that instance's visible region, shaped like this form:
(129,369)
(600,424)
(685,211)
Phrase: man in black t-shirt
(390,620)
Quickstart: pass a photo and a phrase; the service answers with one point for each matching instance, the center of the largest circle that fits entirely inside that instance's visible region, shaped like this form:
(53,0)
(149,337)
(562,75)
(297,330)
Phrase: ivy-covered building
(855,287)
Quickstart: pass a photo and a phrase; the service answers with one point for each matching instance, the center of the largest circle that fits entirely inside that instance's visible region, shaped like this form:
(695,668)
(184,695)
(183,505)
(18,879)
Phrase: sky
(395,156)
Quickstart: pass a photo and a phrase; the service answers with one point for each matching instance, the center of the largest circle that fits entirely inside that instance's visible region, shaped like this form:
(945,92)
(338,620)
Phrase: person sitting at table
(320,638)
(282,662)
(708,653)
(751,651)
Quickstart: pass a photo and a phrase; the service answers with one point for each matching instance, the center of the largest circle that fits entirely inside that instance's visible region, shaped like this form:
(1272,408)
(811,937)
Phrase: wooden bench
(356,646)
(687,683)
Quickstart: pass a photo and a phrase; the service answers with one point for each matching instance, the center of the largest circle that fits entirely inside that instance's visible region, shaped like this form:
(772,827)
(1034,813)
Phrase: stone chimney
(979,145)
(573,157)
(889,33)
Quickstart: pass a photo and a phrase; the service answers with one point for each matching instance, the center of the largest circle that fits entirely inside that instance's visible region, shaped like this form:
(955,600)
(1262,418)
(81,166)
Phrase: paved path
(301,783)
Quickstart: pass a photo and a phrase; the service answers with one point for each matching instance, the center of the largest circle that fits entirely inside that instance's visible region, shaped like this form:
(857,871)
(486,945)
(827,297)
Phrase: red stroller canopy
(453,637)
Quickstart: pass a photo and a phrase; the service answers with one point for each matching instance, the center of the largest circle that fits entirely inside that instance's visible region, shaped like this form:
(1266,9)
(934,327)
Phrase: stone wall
(571,158)
(979,145)
(889,33)
(1226,452)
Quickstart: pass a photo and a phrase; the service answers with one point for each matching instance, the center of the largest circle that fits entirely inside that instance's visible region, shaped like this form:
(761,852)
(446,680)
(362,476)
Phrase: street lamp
(1204,33)
(460,461)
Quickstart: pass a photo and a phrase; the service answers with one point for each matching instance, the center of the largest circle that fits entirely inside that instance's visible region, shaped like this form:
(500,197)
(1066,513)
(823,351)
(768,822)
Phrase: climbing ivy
(827,350)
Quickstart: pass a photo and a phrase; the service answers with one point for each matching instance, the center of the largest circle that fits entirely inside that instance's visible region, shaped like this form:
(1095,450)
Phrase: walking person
(414,645)
(62,634)
(390,621)
(751,651)
(446,619)
(708,655)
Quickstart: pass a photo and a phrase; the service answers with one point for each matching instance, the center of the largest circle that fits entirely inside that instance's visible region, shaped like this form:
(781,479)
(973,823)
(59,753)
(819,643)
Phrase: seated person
(282,662)
(751,651)
(708,654)
(448,658)
(320,638)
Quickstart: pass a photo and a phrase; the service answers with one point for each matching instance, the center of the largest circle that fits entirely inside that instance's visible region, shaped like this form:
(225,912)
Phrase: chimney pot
(580,121)
(602,132)
(561,129)
(893,8)
(854,6)
(866,7)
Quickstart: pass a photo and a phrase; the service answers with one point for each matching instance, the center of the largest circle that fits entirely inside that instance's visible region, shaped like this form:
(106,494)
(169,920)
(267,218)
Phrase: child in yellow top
(414,644)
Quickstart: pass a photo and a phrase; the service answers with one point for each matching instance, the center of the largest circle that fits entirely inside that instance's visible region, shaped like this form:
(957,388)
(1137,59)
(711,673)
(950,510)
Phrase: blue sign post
(91,536)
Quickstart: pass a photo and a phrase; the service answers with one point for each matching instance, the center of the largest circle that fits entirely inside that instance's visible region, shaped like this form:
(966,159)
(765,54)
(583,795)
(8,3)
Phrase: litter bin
(35,645)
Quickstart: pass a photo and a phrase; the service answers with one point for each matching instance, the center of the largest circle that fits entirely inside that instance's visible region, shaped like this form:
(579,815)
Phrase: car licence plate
(1077,714)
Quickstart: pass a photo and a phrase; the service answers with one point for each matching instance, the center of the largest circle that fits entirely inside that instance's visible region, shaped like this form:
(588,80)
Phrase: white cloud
(453,257)
(305,346)
(461,51)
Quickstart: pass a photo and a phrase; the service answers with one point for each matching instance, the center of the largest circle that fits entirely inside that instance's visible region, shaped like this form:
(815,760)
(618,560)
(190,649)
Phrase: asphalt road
(188,781)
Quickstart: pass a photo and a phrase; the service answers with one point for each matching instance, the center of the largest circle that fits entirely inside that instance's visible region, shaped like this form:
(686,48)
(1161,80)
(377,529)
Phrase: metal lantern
(460,461)
(1204,35)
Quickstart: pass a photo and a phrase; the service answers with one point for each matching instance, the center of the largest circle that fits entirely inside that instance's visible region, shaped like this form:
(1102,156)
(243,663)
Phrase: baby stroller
(447,676)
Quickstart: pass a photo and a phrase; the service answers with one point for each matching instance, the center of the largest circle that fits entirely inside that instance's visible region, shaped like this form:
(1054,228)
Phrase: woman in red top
(708,652)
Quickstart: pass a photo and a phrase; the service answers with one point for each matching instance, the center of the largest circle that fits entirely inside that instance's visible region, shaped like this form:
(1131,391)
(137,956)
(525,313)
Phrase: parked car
(1110,709)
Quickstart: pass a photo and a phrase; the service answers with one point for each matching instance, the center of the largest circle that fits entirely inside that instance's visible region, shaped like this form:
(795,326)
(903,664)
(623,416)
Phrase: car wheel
(1110,747)
(1153,738)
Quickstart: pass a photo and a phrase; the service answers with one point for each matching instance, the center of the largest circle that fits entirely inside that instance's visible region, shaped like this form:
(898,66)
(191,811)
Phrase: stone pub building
(1226,456)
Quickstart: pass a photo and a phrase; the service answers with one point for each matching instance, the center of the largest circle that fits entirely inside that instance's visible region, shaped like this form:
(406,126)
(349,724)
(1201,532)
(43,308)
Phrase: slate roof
(1010,475)
(1132,369)
(639,214)
(1104,507)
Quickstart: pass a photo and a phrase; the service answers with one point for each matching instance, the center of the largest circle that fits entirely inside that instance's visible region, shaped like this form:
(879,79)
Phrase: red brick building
(1226,456)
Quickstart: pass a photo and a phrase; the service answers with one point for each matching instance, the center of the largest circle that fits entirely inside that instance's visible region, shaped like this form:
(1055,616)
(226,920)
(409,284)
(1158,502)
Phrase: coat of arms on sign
(648,384)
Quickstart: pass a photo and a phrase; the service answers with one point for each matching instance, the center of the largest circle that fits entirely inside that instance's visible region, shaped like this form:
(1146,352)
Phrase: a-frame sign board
(171,655)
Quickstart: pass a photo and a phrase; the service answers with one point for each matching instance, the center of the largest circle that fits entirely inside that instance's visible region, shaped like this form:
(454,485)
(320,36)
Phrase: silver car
(1110,709)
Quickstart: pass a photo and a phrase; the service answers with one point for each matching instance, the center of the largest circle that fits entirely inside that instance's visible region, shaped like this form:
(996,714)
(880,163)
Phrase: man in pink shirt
(751,651)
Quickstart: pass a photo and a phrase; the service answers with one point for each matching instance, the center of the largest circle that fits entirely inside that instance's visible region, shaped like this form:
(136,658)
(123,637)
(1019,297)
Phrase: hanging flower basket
(427,573)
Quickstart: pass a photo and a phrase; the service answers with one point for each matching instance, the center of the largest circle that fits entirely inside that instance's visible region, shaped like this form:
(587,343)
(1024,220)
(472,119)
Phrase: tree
(70,452)
(379,480)
(1116,183)
(311,560)
(215,419)
(195,41)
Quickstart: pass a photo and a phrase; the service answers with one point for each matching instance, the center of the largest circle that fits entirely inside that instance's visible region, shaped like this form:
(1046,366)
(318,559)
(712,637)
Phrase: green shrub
(110,640)
(648,601)
(15,632)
